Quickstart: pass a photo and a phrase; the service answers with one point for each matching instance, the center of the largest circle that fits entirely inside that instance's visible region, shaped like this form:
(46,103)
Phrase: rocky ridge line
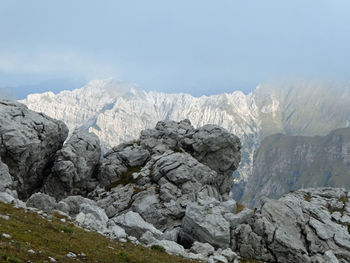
(172,188)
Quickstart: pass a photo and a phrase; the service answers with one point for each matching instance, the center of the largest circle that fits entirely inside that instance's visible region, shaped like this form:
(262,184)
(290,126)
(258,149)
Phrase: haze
(198,47)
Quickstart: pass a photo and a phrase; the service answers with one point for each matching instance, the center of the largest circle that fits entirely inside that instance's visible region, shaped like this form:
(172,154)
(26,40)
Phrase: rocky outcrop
(302,226)
(28,143)
(206,223)
(161,173)
(74,165)
(284,163)
(170,188)
(6,181)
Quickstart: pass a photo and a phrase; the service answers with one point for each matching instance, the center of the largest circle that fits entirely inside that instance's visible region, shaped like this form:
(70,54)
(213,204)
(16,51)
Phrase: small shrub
(307,197)
(67,230)
(240,207)
(343,199)
(124,257)
(11,259)
(158,248)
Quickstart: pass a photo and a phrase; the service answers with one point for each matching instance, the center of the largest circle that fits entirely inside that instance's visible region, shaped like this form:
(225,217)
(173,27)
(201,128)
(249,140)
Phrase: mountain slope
(283,163)
(117,111)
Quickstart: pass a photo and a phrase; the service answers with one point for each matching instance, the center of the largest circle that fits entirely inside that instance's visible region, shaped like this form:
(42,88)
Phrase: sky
(192,46)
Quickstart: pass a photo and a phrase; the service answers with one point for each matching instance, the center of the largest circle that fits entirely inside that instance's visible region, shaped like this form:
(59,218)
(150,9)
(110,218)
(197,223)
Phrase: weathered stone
(229,254)
(28,143)
(92,217)
(121,160)
(170,247)
(204,249)
(5,177)
(72,204)
(240,218)
(114,231)
(134,224)
(74,166)
(299,227)
(205,224)
(42,201)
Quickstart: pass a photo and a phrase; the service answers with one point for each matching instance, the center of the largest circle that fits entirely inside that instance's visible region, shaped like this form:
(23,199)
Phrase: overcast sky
(194,46)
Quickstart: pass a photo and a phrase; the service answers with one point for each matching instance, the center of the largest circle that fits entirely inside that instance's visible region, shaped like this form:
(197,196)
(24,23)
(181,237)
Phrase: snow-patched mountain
(118,111)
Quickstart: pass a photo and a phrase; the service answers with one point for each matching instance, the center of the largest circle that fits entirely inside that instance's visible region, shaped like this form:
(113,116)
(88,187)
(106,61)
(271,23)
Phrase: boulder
(205,223)
(170,247)
(134,224)
(215,147)
(42,202)
(72,204)
(119,163)
(92,217)
(296,228)
(204,249)
(28,143)
(6,181)
(116,200)
(114,231)
(74,165)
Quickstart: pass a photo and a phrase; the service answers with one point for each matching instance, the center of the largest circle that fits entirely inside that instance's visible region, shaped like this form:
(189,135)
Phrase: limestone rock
(296,228)
(124,158)
(42,202)
(170,247)
(205,224)
(204,249)
(72,204)
(28,143)
(115,231)
(92,217)
(215,147)
(5,177)
(134,224)
(74,166)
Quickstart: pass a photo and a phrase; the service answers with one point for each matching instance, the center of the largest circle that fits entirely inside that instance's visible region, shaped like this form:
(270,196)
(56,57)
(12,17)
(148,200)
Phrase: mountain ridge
(299,108)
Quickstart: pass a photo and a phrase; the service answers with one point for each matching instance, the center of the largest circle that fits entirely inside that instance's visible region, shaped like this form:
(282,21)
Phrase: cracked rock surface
(28,143)
(299,227)
(74,165)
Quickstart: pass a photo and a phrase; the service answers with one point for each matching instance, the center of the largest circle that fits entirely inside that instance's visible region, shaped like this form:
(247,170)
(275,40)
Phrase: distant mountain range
(285,163)
(117,111)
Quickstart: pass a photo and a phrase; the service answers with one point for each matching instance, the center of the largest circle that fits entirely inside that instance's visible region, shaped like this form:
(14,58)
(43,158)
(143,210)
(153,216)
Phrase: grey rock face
(121,159)
(92,217)
(157,176)
(296,228)
(74,166)
(134,224)
(215,147)
(6,181)
(42,201)
(72,204)
(28,143)
(205,224)
(204,249)
(211,145)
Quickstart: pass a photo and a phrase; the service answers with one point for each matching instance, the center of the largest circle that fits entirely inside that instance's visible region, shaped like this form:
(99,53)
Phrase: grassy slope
(55,239)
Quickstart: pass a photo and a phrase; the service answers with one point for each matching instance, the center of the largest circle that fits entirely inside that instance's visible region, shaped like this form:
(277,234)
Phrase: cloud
(60,62)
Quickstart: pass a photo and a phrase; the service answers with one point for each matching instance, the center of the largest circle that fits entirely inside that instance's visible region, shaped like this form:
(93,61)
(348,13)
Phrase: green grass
(158,248)
(55,239)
